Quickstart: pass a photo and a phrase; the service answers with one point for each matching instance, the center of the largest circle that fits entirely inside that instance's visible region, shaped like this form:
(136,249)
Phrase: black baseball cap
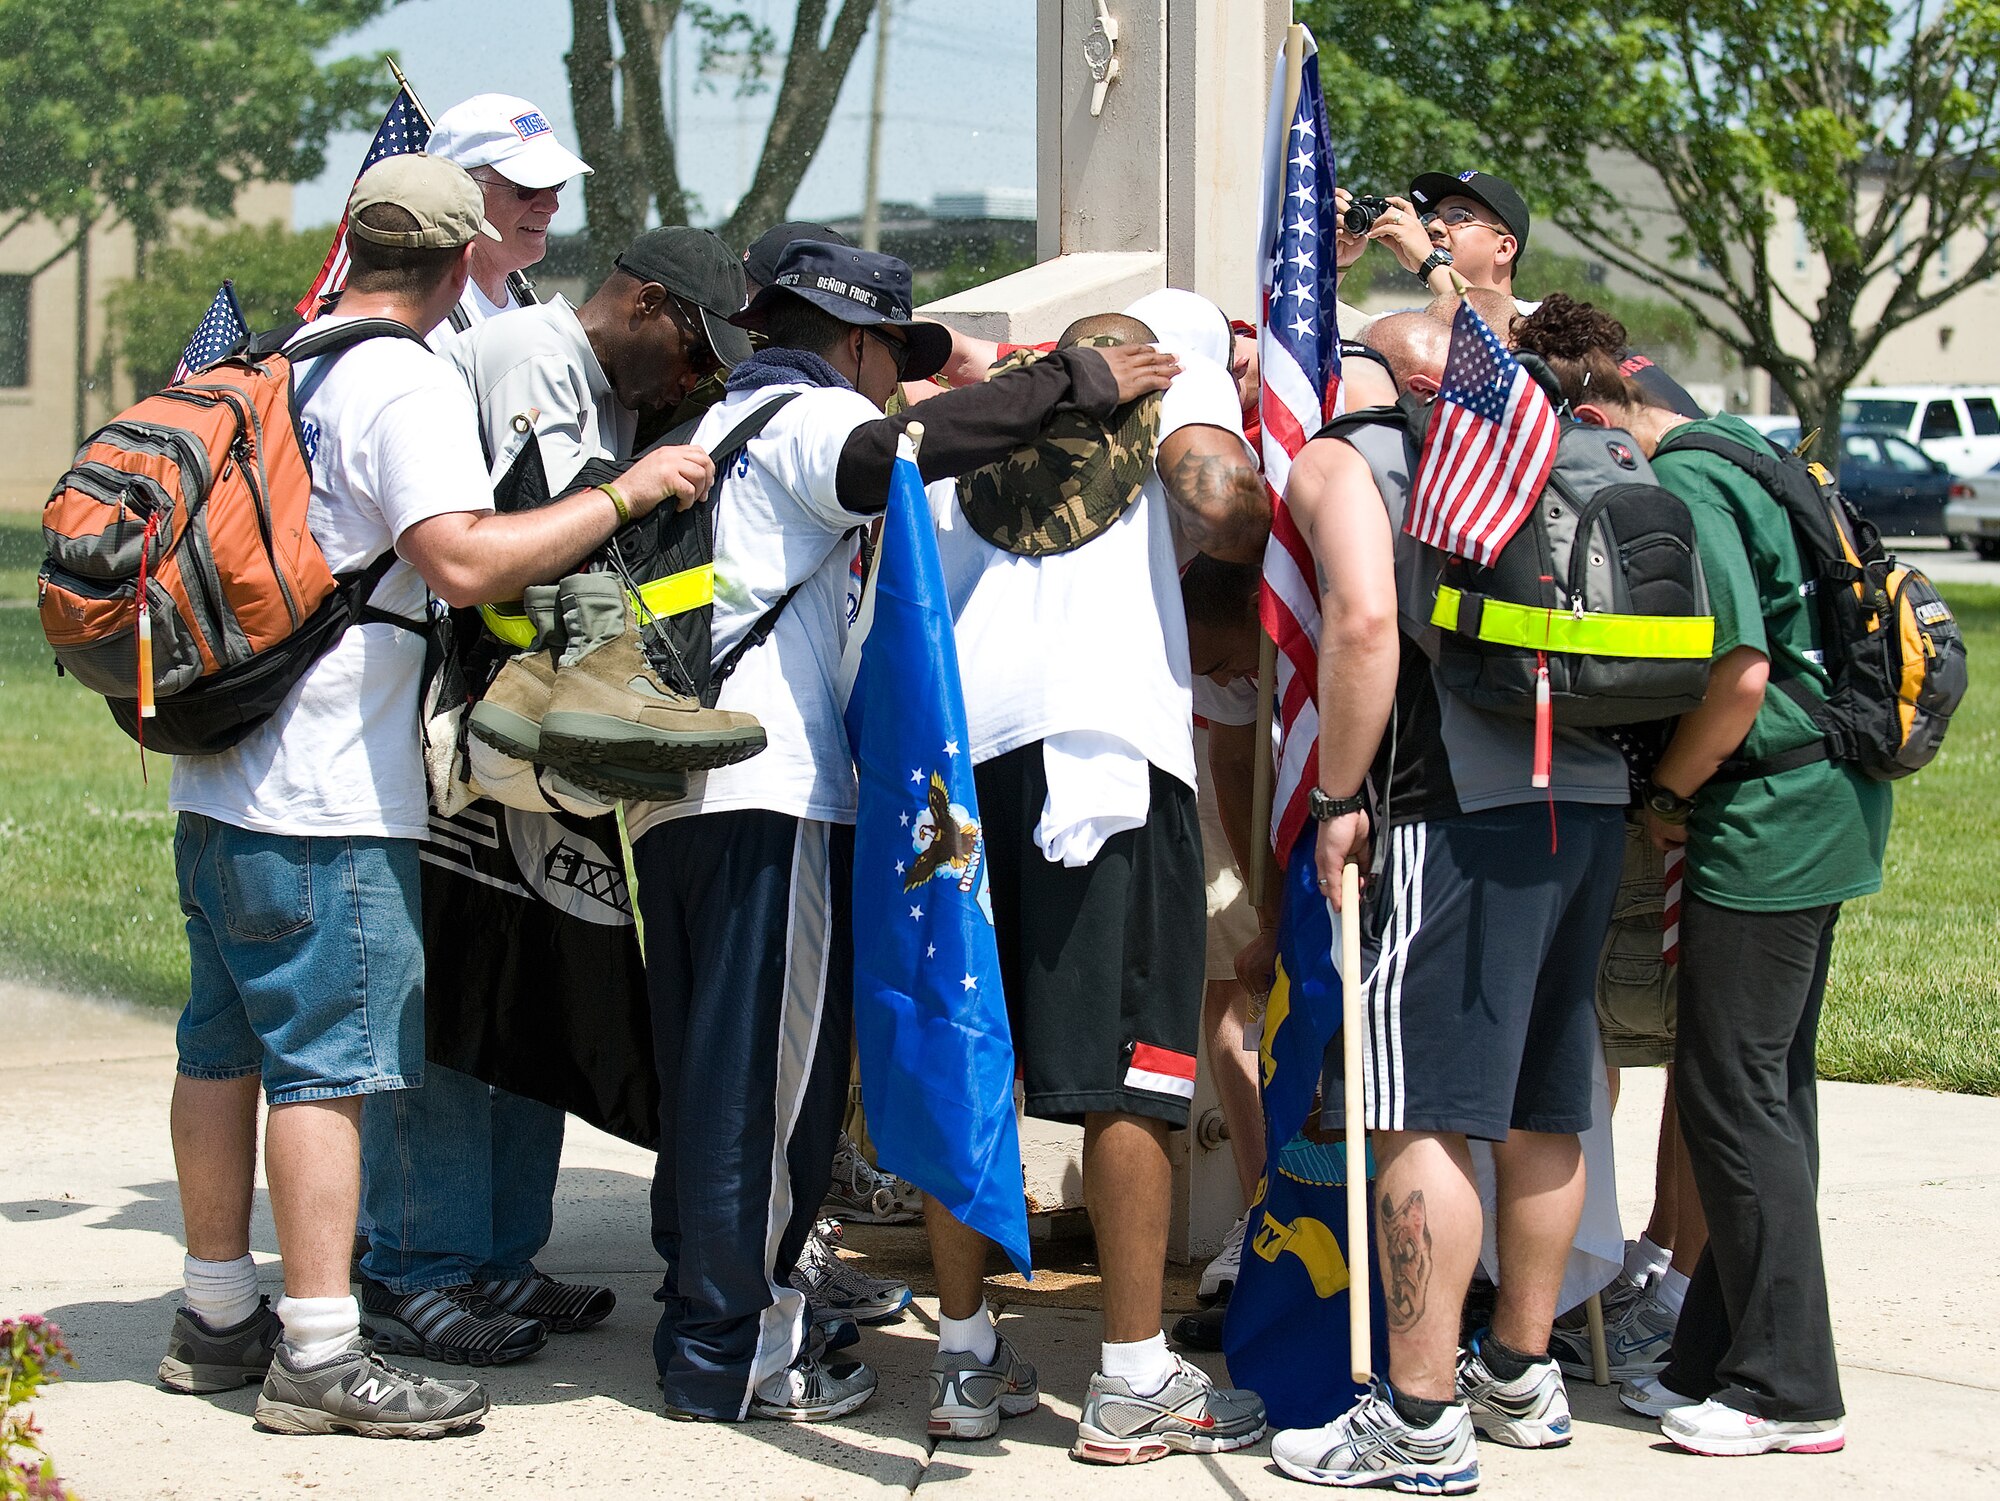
(760,261)
(698,268)
(1499,197)
(862,287)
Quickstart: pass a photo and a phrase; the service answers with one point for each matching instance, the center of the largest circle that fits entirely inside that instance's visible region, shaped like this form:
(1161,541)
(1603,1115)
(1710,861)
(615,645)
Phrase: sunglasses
(899,349)
(700,353)
(521,194)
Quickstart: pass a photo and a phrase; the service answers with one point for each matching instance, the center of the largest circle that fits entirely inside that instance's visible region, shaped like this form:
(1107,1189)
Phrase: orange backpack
(195,501)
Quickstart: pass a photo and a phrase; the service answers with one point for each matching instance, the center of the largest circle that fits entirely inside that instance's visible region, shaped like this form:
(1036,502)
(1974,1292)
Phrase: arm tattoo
(1219,505)
(1406,1259)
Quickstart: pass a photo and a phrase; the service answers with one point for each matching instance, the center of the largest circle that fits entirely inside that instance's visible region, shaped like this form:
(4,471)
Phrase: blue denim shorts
(307,960)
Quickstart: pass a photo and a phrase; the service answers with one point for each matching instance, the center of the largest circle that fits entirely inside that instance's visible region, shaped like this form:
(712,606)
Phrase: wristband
(618,503)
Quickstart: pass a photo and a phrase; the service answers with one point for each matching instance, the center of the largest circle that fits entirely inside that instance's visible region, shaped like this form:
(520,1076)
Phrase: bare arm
(1334,498)
(1709,735)
(1215,493)
(1232,760)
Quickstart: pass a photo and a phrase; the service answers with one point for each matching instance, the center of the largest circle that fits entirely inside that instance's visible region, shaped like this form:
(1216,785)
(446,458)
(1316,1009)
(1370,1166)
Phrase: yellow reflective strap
(680,592)
(1587,635)
(510,624)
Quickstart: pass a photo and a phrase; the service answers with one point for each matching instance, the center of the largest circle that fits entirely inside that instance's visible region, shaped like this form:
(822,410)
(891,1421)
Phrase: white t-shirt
(779,524)
(536,362)
(475,307)
(392,440)
(1233,703)
(1092,639)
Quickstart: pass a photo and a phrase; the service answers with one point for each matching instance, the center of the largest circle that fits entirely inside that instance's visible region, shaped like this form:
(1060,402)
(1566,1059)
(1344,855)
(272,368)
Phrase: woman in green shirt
(1769,862)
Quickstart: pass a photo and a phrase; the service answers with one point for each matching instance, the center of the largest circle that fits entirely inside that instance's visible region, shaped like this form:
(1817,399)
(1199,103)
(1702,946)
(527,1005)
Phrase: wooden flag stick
(1358,1336)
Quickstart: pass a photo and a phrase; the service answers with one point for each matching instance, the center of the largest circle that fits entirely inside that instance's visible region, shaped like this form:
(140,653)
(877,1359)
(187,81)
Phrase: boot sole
(594,739)
(206,1380)
(509,733)
(289,1417)
(605,782)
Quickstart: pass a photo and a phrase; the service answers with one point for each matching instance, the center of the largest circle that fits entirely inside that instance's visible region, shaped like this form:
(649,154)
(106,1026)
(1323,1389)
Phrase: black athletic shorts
(1102,963)
(1479,1007)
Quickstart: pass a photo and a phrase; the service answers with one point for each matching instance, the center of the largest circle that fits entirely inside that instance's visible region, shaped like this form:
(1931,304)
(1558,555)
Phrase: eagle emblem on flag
(947,842)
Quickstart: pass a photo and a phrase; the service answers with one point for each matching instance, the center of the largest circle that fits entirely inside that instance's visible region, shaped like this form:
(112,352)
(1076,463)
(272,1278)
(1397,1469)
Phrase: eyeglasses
(524,195)
(700,353)
(1457,217)
(899,349)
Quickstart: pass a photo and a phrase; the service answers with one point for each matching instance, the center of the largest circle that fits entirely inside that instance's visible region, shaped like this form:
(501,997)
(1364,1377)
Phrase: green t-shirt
(1805,837)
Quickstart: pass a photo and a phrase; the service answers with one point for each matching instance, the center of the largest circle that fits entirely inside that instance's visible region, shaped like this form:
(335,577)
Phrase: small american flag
(1491,445)
(221,329)
(1298,345)
(404,129)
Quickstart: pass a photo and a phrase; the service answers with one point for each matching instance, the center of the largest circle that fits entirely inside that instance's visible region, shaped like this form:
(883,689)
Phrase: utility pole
(871,188)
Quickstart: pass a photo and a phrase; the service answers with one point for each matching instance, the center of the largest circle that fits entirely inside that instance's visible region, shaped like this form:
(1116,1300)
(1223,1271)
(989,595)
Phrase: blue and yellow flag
(1286,1335)
(930,1022)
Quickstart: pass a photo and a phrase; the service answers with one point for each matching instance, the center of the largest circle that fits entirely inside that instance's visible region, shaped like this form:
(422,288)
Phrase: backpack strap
(737,439)
(336,341)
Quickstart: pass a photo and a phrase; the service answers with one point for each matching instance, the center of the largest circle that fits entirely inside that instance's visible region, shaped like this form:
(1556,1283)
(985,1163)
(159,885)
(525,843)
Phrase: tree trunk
(82,413)
(645,26)
(613,196)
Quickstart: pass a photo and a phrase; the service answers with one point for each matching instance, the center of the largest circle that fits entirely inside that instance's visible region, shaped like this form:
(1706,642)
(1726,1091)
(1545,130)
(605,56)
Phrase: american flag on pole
(1489,450)
(222,328)
(404,128)
(1298,347)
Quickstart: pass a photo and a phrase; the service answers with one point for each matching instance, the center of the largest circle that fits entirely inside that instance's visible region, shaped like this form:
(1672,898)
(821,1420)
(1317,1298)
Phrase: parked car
(1891,481)
(1972,514)
(1959,424)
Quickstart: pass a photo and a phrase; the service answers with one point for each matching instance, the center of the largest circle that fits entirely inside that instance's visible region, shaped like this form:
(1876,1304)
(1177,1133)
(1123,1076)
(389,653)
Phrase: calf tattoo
(1406,1259)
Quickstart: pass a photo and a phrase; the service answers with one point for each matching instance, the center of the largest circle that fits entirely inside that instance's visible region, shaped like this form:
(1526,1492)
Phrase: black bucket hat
(699,269)
(862,287)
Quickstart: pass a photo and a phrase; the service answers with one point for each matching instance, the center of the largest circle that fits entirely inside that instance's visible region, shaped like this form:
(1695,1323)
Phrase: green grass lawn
(87,868)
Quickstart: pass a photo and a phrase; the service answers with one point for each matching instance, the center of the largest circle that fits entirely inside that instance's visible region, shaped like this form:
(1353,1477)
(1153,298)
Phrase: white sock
(224,1293)
(1671,1288)
(973,1336)
(1643,1258)
(317,1328)
(1145,1365)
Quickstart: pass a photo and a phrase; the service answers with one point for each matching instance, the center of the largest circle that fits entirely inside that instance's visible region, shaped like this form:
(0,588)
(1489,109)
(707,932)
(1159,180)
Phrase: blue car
(1890,480)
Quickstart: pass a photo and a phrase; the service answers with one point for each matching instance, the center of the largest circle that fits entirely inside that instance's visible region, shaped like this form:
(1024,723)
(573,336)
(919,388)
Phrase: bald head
(1415,345)
(1105,325)
(1496,308)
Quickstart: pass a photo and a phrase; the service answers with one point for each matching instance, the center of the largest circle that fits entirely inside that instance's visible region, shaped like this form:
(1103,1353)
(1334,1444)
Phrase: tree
(623,130)
(1877,120)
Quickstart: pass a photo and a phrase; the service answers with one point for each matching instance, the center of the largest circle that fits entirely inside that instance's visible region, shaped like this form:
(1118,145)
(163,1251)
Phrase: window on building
(1985,418)
(1940,421)
(14,330)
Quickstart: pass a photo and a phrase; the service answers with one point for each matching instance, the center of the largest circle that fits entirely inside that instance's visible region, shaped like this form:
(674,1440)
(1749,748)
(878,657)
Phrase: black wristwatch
(1667,805)
(1438,257)
(1324,808)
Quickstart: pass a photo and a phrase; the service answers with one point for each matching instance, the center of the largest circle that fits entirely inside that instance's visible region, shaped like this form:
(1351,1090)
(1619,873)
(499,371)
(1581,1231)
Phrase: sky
(960,105)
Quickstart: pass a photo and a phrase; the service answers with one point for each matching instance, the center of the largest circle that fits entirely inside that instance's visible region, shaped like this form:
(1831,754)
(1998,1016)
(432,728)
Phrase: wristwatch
(1438,257)
(1667,805)
(1324,808)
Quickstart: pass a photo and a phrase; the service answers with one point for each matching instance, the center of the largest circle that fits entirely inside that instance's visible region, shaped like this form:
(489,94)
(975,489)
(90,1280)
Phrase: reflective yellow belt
(1484,618)
(675,594)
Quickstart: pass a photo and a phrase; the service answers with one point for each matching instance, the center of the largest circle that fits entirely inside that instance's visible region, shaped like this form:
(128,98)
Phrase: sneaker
(560,1307)
(831,1284)
(969,1396)
(1636,1342)
(1202,1329)
(1651,1397)
(1712,1427)
(838,1329)
(1190,1414)
(865,1194)
(813,1389)
(1371,1446)
(1529,1412)
(201,1359)
(358,1392)
(1218,1278)
(452,1324)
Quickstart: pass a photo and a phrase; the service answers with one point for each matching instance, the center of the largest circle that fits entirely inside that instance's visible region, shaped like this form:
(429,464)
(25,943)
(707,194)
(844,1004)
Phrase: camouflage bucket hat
(1055,494)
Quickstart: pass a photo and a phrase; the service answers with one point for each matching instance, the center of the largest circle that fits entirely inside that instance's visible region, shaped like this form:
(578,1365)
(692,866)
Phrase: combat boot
(609,710)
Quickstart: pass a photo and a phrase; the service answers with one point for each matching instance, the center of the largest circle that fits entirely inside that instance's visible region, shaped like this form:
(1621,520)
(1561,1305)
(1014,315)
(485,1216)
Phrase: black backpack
(1601,583)
(1893,651)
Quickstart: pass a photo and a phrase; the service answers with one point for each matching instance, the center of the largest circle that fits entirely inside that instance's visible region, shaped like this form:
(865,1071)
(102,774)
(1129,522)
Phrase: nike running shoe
(865,1194)
(970,1396)
(1529,1412)
(452,1324)
(358,1392)
(1371,1446)
(201,1359)
(831,1283)
(1713,1427)
(561,1307)
(1218,1278)
(1189,1415)
(1636,1341)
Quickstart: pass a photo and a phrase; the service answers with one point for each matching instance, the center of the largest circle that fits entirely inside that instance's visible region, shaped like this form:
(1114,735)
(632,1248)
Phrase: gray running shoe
(201,1360)
(561,1307)
(865,1194)
(358,1392)
(1636,1341)
(1190,1414)
(813,1388)
(969,1396)
(832,1285)
(1370,1445)
(1529,1412)
(452,1324)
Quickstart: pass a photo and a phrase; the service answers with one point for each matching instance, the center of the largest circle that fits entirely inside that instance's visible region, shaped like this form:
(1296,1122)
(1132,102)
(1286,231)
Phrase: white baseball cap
(507,134)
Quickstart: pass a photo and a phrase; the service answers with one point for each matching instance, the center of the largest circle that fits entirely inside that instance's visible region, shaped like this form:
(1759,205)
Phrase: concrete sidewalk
(89,1227)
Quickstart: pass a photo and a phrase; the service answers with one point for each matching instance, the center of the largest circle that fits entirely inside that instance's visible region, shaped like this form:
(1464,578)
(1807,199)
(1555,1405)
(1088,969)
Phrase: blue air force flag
(930,1022)
(1286,1335)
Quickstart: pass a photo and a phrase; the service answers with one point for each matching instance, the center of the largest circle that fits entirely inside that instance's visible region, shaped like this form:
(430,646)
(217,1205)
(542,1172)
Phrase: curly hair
(1583,345)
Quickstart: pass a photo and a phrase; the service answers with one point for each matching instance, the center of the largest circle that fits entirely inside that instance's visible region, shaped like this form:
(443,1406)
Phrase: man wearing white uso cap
(509,148)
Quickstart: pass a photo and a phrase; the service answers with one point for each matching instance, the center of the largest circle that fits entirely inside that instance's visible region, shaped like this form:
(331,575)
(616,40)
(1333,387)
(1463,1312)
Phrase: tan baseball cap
(449,208)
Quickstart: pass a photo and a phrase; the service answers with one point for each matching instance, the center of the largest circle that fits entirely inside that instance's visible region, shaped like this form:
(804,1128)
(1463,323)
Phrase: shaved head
(1105,325)
(1414,344)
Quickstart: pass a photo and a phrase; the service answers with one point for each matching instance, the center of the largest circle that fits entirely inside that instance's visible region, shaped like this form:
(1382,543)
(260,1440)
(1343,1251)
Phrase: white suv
(1958,424)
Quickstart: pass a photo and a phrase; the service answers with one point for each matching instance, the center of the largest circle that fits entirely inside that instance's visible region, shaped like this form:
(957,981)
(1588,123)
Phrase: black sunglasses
(899,349)
(524,195)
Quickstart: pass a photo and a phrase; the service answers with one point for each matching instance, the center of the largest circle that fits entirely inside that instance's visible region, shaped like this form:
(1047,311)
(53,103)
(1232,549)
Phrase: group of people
(1114,842)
